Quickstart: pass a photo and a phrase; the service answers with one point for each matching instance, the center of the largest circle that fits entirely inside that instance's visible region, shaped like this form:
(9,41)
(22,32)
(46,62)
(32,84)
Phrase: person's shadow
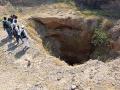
(4,41)
(21,53)
(12,46)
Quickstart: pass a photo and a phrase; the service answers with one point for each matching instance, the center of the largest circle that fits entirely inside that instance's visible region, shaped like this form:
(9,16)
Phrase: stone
(73,87)
(115,35)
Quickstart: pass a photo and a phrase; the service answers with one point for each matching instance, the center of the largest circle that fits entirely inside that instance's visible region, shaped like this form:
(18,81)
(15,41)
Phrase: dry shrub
(106,24)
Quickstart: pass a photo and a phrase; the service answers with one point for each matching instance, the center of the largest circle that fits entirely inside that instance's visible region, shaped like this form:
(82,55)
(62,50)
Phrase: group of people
(14,30)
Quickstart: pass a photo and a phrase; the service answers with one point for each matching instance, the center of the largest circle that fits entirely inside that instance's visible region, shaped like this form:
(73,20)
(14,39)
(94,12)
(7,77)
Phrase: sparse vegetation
(101,53)
(100,41)
(100,38)
(48,47)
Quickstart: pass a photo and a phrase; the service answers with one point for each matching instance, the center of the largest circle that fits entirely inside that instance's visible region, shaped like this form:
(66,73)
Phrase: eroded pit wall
(66,38)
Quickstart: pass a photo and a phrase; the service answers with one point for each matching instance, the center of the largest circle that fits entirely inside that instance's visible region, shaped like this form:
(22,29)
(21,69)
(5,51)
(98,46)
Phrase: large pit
(66,38)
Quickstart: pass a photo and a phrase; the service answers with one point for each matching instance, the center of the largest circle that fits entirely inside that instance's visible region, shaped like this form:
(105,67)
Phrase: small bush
(100,41)
(100,38)
(101,53)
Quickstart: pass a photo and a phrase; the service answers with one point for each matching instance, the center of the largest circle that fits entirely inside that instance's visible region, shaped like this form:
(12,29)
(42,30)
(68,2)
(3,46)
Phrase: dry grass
(106,24)
(58,62)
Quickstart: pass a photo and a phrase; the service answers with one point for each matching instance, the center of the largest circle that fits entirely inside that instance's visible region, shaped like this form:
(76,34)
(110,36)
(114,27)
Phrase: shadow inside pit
(74,60)
(21,53)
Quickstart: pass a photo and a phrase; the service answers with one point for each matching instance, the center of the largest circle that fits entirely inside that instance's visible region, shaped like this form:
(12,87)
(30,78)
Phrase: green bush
(100,38)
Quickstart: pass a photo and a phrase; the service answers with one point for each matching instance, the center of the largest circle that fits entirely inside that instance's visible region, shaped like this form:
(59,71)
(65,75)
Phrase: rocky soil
(36,69)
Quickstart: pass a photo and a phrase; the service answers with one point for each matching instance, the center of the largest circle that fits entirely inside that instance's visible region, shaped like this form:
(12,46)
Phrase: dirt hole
(69,44)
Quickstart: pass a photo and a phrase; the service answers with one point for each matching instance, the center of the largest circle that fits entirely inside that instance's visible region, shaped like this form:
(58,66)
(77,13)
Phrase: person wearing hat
(24,37)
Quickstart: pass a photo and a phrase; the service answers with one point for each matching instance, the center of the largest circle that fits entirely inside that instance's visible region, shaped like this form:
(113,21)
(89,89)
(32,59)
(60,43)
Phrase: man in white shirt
(25,37)
(19,30)
(16,31)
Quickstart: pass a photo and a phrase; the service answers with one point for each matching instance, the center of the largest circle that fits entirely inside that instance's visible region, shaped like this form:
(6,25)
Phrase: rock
(115,35)
(106,24)
(73,87)
(115,31)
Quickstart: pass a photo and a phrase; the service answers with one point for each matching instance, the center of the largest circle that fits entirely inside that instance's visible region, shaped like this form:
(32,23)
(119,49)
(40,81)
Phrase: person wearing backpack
(24,37)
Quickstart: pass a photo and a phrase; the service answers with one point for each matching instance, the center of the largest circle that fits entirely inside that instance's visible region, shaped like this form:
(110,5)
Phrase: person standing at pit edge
(16,31)
(7,27)
(4,23)
(25,37)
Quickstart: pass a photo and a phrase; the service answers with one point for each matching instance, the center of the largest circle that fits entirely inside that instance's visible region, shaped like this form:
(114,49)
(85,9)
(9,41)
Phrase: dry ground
(35,69)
